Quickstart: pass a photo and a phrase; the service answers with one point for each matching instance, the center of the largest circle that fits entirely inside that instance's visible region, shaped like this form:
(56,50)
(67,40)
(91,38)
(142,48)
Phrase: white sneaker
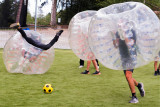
(81,66)
(134,100)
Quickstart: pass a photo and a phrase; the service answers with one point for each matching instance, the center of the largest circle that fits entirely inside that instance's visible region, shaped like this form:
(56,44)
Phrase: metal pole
(35,25)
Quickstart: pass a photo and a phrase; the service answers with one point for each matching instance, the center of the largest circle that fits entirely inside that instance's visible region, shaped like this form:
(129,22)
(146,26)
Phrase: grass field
(72,89)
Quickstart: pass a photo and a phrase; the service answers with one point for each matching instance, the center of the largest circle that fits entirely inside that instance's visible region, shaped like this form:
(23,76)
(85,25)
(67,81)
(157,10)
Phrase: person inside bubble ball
(156,69)
(125,40)
(36,42)
(31,52)
(97,72)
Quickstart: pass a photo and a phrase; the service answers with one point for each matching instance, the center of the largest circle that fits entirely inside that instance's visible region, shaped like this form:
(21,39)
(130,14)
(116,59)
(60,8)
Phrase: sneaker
(81,66)
(133,100)
(15,25)
(155,73)
(97,73)
(85,72)
(141,90)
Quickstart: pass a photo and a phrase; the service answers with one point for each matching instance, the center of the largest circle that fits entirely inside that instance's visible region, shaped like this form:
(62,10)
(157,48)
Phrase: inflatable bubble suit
(21,57)
(78,34)
(124,36)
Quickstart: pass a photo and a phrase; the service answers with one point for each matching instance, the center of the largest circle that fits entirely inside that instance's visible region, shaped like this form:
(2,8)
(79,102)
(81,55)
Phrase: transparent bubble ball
(125,35)
(21,57)
(78,34)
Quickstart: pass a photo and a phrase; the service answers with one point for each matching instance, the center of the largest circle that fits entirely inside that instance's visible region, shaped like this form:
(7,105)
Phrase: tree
(8,12)
(53,13)
(19,11)
(22,13)
(72,7)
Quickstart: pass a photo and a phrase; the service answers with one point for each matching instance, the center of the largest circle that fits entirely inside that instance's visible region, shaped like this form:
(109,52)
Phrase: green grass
(72,89)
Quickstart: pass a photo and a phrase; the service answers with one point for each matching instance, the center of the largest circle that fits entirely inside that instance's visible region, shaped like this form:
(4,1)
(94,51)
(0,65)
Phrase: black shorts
(128,70)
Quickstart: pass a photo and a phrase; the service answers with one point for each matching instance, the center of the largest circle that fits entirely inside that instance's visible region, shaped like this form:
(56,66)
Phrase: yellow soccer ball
(47,88)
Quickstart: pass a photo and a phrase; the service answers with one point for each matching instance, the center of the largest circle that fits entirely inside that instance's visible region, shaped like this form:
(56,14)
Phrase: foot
(59,33)
(81,66)
(155,73)
(15,25)
(85,72)
(133,100)
(97,73)
(141,90)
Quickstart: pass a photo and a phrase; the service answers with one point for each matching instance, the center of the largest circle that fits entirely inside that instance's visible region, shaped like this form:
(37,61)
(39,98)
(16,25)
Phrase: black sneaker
(97,73)
(15,25)
(85,72)
(141,89)
(133,100)
(155,73)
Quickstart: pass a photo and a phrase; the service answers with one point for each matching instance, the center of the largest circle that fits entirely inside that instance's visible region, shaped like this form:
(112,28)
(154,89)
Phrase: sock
(157,70)
(139,85)
(134,95)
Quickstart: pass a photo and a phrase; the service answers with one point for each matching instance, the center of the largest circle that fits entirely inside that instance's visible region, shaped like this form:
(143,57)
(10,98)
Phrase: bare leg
(95,65)
(87,69)
(135,82)
(88,65)
(130,81)
(155,65)
(155,68)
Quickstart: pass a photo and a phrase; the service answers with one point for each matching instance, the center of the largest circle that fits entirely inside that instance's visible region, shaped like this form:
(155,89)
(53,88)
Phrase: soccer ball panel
(47,88)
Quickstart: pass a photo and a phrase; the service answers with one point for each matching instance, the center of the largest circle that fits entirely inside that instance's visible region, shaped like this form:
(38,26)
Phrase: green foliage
(30,19)
(42,20)
(8,11)
(153,4)
(72,89)
(72,7)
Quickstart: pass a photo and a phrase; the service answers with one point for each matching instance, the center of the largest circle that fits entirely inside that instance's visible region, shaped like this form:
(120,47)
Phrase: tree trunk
(23,15)
(19,11)
(53,13)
